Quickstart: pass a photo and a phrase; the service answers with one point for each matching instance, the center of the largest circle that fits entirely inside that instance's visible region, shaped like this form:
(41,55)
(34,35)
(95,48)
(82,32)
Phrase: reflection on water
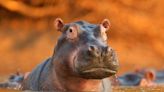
(8,90)
(139,89)
(115,89)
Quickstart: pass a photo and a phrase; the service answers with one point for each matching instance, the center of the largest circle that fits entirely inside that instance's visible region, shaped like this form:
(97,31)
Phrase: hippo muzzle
(96,62)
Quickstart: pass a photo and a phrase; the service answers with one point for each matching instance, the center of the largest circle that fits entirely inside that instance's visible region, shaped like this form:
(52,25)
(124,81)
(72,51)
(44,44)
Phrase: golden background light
(27,35)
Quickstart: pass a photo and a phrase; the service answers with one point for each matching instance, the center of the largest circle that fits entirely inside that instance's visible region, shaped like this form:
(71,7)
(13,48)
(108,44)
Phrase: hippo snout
(106,57)
(96,51)
(97,62)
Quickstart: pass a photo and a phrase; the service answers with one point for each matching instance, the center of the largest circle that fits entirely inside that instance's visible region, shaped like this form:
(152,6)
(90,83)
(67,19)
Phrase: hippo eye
(71,33)
(70,30)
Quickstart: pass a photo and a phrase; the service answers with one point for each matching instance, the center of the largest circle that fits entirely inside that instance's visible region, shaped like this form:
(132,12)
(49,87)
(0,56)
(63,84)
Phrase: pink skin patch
(26,75)
(147,83)
(72,33)
(104,26)
(103,32)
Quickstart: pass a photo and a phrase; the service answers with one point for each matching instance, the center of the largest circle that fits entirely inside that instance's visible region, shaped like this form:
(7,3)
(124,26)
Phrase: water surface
(115,89)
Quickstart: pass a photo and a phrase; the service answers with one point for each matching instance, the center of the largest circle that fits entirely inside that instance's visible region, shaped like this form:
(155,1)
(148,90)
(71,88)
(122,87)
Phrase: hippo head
(82,49)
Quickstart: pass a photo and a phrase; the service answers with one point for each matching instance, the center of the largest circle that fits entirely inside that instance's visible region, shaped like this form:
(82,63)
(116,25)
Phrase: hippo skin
(82,60)
(142,77)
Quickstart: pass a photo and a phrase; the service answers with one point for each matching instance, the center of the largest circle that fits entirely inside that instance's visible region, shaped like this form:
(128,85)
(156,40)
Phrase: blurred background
(28,36)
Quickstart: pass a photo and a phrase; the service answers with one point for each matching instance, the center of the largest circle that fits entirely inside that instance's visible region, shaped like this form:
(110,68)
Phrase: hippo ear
(150,75)
(105,24)
(59,24)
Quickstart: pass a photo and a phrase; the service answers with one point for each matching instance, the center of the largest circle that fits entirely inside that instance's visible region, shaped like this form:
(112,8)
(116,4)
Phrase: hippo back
(33,80)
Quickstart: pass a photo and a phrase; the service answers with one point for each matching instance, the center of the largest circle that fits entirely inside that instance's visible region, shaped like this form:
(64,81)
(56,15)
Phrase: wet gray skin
(135,78)
(81,53)
(130,79)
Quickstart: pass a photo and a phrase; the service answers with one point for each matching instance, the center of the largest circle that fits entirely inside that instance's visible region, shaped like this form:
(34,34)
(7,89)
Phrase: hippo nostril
(92,48)
(108,52)
(93,51)
(108,49)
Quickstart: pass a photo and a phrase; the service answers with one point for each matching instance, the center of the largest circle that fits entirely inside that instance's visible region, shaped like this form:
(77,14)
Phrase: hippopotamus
(14,81)
(159,77)
(142,77)
(129,79)
(82,60)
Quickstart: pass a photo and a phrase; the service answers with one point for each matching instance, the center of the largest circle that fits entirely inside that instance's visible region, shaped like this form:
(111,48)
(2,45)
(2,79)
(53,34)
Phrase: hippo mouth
(99,69)
(97,73)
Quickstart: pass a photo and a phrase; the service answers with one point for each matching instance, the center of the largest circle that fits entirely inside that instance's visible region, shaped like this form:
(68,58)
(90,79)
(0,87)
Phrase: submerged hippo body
(141,77)
(82,60)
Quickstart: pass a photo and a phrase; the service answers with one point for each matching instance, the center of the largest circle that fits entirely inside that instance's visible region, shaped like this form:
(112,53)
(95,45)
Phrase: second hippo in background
(142,77)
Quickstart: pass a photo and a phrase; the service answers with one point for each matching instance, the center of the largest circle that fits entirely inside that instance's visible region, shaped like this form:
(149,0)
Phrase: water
(8,90)
(139,89)
(115,88)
